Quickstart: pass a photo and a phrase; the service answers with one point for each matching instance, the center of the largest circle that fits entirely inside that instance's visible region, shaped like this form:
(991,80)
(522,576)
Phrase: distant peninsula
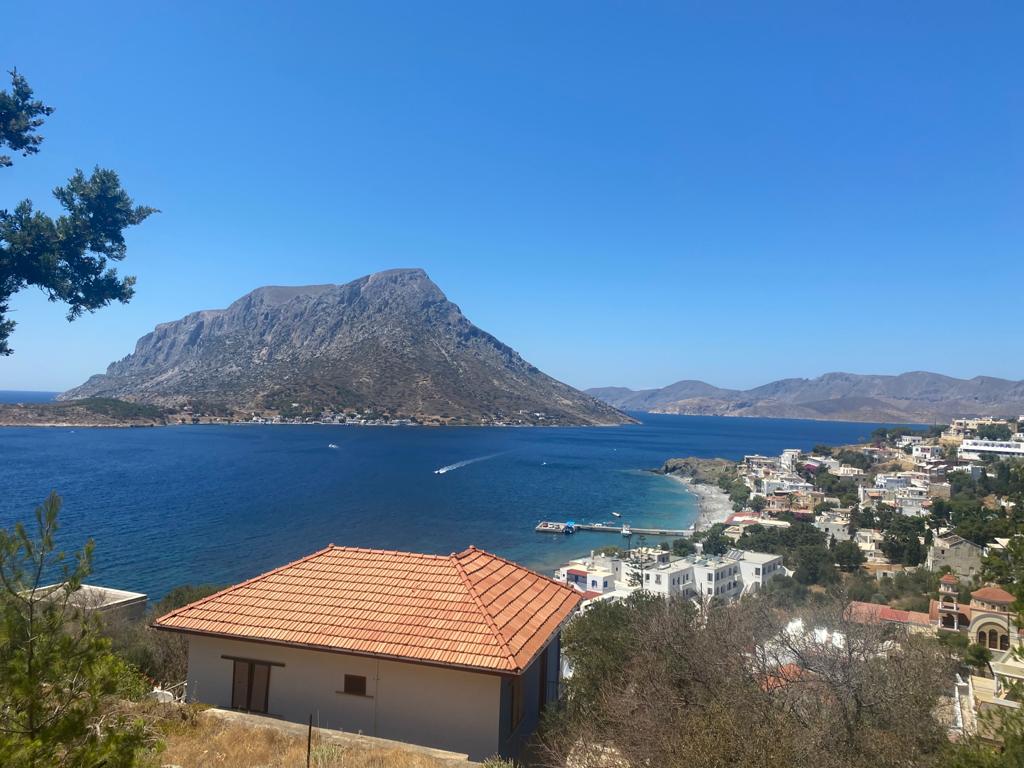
(916,397)
(386,348)
(89,412)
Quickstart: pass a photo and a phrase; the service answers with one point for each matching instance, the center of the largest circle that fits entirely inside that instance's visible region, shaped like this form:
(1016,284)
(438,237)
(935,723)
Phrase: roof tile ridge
(514,564)
(375,551)
(247,582)
(510,657)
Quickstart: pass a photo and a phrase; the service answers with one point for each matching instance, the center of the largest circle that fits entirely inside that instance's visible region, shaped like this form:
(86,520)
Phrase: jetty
(547,526)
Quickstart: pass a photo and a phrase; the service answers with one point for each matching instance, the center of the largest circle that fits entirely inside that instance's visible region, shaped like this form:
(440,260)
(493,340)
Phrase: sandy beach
(713,502)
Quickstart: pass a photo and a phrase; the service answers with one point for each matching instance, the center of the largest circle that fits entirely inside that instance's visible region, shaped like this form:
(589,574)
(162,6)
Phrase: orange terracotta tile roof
(870,613)
(784,676)
(471,609)
(993,595)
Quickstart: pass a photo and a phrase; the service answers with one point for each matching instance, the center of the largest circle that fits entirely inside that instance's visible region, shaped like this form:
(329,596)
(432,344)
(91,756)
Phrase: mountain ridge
(390,342)
(914,396)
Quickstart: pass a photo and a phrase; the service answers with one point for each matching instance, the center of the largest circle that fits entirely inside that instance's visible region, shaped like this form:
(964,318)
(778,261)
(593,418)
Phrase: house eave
(362,654)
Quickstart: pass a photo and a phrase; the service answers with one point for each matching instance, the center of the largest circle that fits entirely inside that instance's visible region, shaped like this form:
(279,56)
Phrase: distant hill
(388,343)
(89,412)
(909,397)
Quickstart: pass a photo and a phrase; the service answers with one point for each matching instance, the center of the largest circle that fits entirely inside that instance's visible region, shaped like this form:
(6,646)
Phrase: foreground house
(459,652)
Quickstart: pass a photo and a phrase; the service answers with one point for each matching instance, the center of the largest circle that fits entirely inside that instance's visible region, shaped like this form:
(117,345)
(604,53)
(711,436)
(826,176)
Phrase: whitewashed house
(459,652)
(725,576)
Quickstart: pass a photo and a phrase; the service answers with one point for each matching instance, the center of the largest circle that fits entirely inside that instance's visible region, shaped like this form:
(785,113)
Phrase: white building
(925,453)
(975,449)
(892,482)
(870,542)
(834,526)
(728,576)
(845,470)
(912,500)
(788,459)
(759,465)
(973,471)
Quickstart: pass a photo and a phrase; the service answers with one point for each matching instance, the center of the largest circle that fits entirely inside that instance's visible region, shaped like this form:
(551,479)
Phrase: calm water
(26,396)
(173,505)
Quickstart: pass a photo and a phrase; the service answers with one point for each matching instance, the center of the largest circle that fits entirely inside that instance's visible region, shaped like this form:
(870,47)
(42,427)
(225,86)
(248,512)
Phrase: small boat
(616,514)
(626,531)
(331,445)
(570,527)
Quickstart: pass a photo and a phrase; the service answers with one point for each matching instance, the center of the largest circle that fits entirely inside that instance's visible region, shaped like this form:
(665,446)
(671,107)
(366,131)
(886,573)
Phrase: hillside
(88,412)
(909,397)
(388,343)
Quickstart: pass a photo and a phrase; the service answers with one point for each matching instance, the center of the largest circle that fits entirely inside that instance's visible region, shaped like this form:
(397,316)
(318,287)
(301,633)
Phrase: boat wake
(466,463)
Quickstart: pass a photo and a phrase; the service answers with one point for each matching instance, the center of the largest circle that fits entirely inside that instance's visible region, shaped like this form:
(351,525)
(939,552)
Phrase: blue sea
(26,396)
(218,504)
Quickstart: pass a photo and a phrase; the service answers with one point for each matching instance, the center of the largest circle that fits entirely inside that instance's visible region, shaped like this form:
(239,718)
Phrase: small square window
(355,685)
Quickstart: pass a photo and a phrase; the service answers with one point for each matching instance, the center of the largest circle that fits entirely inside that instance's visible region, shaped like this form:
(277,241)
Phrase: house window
(250,687)
(355,685)
(515,690)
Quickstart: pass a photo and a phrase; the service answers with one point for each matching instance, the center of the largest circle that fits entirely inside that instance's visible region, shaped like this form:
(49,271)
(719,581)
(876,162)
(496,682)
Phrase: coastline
(712,502)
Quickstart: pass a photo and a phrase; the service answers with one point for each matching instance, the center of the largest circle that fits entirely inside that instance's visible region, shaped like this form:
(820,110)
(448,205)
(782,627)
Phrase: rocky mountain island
(916,397)
(389,344)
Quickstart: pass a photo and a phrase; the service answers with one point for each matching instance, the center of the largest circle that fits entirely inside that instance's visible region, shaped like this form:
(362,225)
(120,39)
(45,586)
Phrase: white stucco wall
(433,706)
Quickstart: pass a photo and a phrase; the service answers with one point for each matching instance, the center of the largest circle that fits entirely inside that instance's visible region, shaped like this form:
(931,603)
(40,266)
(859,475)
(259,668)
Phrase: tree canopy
(20,115)
(67,257)
(848,555)
(657,683)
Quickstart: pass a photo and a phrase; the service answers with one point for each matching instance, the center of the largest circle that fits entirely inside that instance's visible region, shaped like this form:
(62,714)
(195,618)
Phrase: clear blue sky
(627,193)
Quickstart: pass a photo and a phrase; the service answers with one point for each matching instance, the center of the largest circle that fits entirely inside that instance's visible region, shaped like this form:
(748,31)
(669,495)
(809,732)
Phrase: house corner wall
(439,707)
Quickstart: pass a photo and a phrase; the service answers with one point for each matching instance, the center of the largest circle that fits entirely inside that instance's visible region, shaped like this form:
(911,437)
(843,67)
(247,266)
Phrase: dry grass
(207,742)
